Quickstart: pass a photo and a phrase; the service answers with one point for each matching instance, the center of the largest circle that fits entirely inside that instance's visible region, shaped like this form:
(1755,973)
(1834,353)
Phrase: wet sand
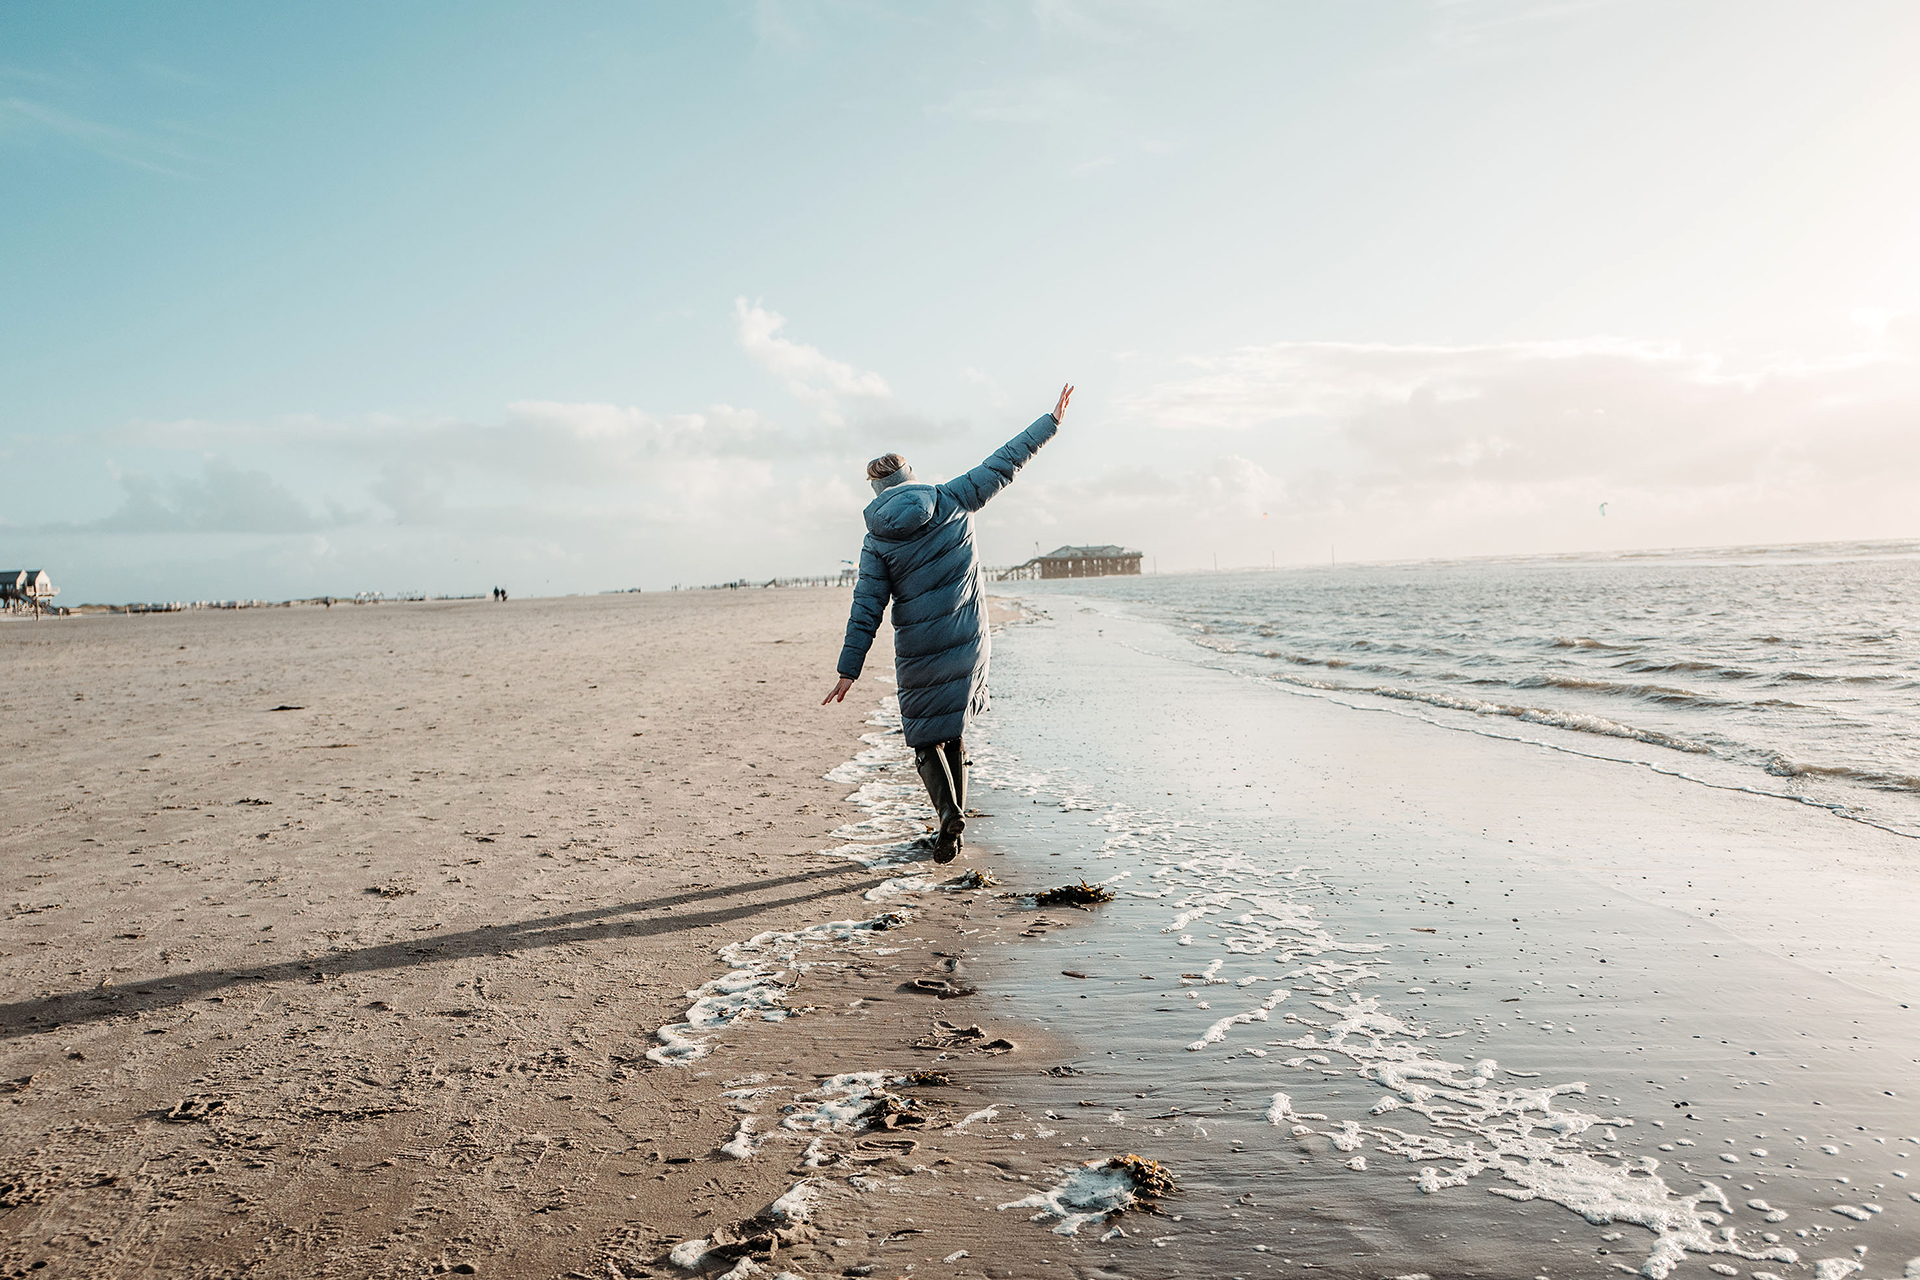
(335,942)
(1728,979)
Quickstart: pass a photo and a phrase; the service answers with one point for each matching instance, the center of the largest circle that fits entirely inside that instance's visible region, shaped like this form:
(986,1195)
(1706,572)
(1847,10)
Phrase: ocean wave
(1781,767)
(1891,680)
(1675,666)
(1661,694)
(1764,660)
(1272,631)
(1658,694)
(1579,722)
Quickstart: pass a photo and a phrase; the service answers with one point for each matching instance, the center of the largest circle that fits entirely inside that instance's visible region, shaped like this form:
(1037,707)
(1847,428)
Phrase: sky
(303,299)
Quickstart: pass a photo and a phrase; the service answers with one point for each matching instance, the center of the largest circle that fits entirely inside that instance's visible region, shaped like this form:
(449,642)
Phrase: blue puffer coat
(919,553)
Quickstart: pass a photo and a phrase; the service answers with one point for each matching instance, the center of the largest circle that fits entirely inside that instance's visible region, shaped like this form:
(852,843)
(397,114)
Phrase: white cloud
(810,374)
(1537,411)
(549,496)
(222,498)
(1390,452)
(1404,451)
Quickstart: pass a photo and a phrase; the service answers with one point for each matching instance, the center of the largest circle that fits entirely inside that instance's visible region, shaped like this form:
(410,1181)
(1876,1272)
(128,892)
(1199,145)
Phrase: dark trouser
(943,768)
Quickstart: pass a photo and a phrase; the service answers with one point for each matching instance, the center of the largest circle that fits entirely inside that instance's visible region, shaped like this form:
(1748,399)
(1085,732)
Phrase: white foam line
(981,1116)
(687,1255)
(1218,1031)
(757,979)
(756,984)
(838,1104)
(896,886)
(798,1202)
(1084,1195)
(742,1146)
(795,1206)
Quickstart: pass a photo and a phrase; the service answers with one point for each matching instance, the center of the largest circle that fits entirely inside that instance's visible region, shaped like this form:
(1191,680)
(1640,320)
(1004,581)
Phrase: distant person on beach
(919,554)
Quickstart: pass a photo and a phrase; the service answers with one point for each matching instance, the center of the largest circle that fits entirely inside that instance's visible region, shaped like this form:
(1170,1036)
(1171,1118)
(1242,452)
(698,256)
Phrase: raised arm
(973,489)
(871,592)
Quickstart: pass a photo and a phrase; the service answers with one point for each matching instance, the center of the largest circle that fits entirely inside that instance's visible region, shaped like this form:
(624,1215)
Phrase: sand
(336,939)
(368,986)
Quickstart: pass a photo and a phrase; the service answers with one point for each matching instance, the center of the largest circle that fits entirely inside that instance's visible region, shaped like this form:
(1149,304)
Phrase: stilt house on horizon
(26,590)
(1077,562)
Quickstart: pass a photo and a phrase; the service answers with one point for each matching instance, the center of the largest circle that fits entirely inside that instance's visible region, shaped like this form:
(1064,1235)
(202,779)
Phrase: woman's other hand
(1060,409)
(839,693)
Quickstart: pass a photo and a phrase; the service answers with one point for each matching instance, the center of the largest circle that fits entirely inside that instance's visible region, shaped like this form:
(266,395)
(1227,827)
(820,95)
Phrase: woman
(919,554)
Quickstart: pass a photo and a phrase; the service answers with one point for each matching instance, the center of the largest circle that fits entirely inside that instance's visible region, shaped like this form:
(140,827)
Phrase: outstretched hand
(839,693)
(1060,409)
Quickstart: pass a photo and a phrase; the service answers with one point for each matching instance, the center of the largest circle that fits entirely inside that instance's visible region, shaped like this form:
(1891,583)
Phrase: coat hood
(901,512)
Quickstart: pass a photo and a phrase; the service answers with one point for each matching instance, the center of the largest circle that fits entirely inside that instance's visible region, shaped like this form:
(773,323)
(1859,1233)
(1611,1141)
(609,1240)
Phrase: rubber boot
(942,770)
(958,763)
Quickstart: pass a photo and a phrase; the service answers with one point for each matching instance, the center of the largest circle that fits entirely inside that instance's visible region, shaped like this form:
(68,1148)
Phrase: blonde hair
(885,465)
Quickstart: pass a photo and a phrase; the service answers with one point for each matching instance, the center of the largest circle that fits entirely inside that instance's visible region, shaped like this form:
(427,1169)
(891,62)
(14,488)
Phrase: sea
(1380,1013)
(1790,670)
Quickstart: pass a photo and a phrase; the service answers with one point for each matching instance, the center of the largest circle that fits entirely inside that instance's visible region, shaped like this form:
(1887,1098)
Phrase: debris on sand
(784,1222)
(1151,1179)
(851,1103)
(928,1079)
(193,1110)
(890,1111)
(392,889)
(947,1036)
(977,878)
(760,973)
(1098,1190)
(973,1039)
(1073,895)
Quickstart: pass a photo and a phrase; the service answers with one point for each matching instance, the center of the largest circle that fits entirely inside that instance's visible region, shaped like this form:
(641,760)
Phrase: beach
(574,938)
(336,939)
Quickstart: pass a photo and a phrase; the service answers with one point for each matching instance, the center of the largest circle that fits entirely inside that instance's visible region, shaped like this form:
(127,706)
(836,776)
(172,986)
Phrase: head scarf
(888,470)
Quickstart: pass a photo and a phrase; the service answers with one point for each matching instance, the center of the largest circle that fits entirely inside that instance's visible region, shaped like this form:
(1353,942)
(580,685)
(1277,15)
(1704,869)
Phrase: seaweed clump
(1150,1178)
(890,1111)
(976,878)
(929,1079)
(1073,895)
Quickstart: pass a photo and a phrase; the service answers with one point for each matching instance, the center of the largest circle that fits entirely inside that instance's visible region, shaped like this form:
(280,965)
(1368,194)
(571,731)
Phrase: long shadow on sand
(27,1017)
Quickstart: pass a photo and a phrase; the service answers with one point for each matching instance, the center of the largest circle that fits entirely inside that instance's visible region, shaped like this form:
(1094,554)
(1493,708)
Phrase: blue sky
(313,298)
